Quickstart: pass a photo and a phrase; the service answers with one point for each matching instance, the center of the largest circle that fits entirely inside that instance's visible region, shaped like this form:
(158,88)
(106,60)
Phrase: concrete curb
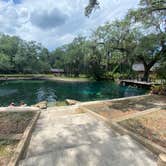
(155,148)
(22,145)
(18,109)
(118,99)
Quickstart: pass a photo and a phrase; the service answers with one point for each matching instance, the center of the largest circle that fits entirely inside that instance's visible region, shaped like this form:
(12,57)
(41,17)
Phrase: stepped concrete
(62,138)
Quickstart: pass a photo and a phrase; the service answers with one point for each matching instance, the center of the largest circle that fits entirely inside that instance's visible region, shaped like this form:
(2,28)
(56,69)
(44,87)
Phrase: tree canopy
(146,6)
(140,37)
(19,56)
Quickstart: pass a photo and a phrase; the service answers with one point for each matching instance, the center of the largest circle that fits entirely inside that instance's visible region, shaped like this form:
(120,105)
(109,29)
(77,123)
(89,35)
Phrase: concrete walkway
(64,138)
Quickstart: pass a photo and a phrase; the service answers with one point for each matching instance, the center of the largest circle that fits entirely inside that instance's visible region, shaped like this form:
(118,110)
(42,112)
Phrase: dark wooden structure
(57,72)
(135,83)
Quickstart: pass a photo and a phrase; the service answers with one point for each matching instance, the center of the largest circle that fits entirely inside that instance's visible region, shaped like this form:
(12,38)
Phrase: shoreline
(50,78)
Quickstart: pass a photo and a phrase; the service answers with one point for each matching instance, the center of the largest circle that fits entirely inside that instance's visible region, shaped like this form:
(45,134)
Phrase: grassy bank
(82,78)
(25,75)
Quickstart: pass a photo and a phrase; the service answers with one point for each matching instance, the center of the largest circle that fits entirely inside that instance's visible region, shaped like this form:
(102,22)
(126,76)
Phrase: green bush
(159,89)
(115,76)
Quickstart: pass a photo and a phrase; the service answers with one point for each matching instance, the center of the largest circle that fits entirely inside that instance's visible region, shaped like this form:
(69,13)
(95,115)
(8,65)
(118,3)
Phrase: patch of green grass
(57,103)
(61,103)
(6,147)
(26,75)
(52,76)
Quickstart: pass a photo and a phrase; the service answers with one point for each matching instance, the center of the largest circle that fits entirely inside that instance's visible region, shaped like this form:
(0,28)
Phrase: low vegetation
(159,89)
(6,150)
(12,123)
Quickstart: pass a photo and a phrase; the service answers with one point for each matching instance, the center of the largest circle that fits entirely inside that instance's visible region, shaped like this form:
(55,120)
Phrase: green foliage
(110,51)
(116,46)
(18,56)
(159,89)
(161,71)
(71,57)
(4,62)
(146,6)
(116,76)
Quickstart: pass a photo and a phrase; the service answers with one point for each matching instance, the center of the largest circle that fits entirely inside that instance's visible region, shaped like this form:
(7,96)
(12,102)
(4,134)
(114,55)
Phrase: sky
(56,22)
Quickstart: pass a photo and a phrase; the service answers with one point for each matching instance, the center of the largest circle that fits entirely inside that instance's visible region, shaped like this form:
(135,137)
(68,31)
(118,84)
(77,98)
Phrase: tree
(147,6)
(153,5)
(92,5)
(119,39)
(4,63)
(9,47)
(70,57)
(19,56)
(152,46)
(149,51)
(161,72)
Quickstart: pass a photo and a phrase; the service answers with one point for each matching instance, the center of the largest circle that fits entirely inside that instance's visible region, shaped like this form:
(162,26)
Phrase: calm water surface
(32,91)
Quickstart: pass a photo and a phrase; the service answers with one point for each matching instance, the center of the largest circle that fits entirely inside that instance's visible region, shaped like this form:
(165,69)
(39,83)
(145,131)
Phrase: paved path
(69,139)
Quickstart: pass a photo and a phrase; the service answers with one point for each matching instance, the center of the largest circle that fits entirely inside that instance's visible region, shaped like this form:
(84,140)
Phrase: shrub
(115,76)
(159,89)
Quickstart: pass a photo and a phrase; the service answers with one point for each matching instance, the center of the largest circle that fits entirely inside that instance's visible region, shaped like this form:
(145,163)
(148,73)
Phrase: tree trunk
(146,74)
(147,70)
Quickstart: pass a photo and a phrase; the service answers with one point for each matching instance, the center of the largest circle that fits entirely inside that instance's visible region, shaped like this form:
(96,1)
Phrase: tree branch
(158,9)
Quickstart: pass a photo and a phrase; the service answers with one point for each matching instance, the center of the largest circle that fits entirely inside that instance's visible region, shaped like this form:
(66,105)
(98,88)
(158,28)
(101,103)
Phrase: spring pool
(33,91)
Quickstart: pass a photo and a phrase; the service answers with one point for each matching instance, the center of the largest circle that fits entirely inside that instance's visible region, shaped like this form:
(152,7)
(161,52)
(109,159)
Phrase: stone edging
(22,145)
(155,148)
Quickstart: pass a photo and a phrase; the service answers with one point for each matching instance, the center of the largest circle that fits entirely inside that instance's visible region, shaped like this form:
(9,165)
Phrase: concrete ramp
(81,140)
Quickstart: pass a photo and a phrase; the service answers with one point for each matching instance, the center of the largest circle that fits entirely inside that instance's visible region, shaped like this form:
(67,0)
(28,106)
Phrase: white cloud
(48,19)
(54,23)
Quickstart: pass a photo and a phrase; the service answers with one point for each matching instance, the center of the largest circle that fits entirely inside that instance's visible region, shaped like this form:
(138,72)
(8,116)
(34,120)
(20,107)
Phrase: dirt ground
(116,109)
(11,123)
(14,123)
(151,126)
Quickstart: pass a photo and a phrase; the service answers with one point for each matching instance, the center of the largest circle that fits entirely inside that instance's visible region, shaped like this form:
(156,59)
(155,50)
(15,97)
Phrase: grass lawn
(11,123)
(63,78)
(45,76)
(25,75)
(6,150)
(57,103)
(151,126)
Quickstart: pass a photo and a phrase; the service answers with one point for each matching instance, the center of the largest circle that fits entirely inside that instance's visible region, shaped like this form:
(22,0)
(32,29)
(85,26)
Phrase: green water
(32,91)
